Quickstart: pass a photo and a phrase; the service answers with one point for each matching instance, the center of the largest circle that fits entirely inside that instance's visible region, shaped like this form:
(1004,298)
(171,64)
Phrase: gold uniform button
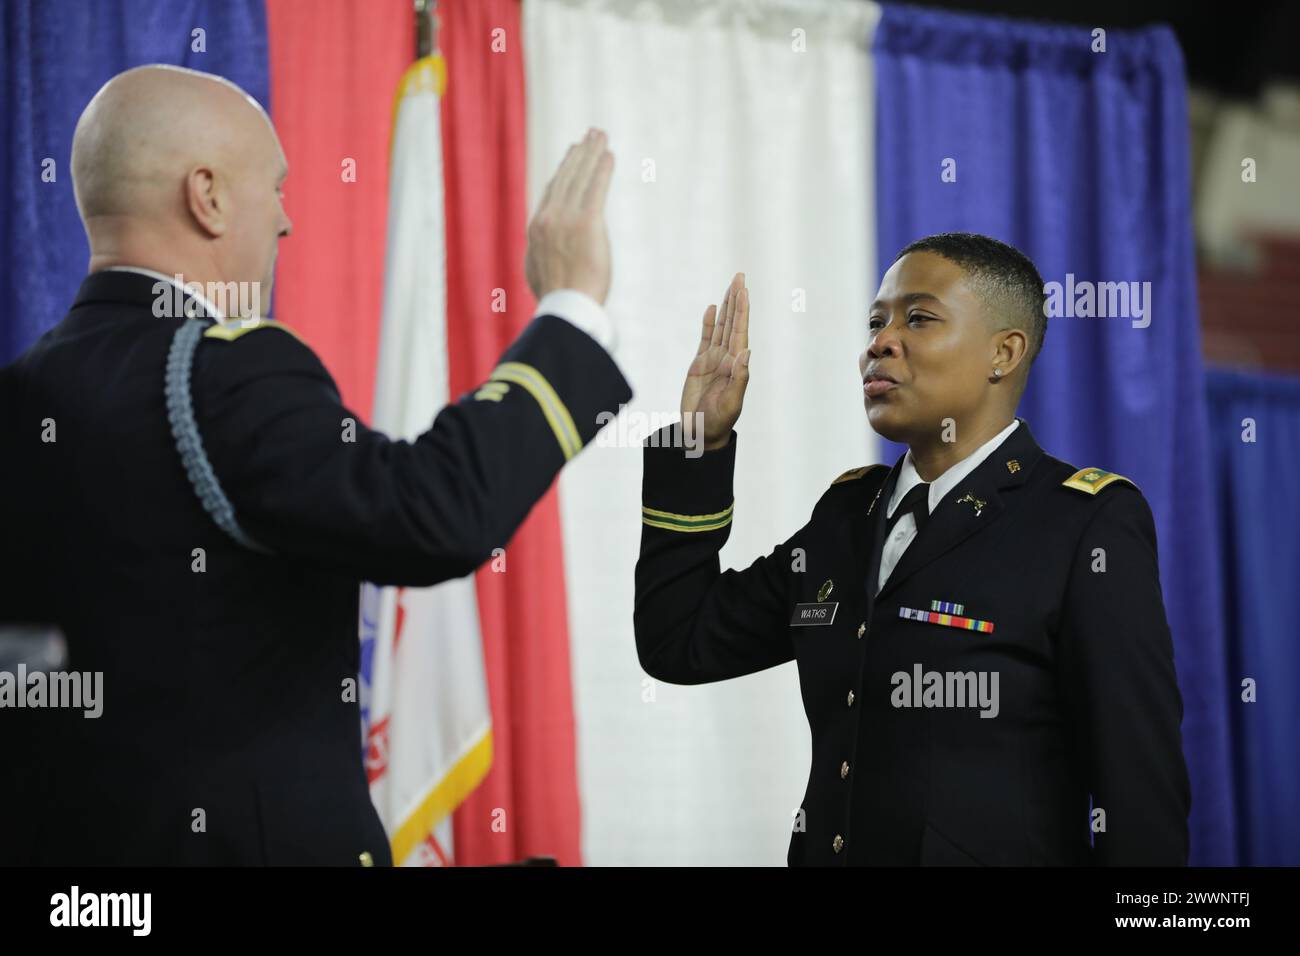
(825,591)
(366,859)
(844,770)
(850,698)
(838,843)
(862,629)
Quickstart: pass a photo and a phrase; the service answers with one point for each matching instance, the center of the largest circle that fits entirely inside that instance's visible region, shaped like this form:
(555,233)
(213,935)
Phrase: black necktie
(916,501)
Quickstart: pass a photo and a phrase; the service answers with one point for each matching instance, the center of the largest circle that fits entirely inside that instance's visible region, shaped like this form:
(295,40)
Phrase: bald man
(188,500)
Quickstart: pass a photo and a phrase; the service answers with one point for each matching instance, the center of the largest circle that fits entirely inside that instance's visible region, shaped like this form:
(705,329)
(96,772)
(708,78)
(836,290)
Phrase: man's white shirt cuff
(580,309)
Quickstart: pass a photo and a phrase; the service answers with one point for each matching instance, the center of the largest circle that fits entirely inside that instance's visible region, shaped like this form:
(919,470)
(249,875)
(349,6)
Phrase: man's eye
(918,317)
(875,325)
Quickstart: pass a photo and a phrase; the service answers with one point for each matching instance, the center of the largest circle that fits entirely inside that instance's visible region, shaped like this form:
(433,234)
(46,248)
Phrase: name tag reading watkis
(806,615)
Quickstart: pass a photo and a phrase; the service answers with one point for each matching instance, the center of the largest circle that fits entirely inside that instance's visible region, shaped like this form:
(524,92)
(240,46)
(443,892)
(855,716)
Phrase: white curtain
(742,134)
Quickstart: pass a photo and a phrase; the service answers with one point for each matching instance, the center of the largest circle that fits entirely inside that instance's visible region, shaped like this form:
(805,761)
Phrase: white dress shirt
(903,533)
(576,308)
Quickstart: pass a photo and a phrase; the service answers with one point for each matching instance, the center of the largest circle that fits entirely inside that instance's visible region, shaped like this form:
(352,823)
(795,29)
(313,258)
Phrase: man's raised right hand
(568,243)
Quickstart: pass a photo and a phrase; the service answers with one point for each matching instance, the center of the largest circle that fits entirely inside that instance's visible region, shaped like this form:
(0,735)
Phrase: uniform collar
(136,285)
(975,502)
(908,477)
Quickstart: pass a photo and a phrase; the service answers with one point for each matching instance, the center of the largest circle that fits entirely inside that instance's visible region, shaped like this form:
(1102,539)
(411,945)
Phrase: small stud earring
(997,373)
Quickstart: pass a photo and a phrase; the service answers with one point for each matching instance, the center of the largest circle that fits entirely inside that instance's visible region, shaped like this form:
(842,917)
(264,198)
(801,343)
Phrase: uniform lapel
(869,534)
(973,505)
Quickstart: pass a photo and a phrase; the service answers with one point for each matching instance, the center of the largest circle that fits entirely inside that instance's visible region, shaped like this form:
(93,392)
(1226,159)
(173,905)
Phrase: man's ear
(205,202)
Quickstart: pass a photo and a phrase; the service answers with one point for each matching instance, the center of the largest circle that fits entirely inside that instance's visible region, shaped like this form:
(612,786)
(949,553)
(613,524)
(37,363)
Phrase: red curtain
(523,610)
(335,65)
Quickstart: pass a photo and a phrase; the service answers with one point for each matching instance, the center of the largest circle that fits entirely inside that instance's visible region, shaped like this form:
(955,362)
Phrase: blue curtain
(54,57)
(1080,159)
(1259,538)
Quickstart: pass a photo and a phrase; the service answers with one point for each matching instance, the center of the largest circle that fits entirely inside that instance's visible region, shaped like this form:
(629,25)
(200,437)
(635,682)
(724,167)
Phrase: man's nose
(287,228)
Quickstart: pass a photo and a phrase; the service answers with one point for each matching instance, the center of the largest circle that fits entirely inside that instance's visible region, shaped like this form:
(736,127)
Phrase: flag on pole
(426,720)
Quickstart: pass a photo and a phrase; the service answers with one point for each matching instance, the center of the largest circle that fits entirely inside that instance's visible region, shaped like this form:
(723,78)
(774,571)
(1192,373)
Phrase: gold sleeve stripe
(557,416)
(1093,480)
(232,329)
(675,522)
(670,515)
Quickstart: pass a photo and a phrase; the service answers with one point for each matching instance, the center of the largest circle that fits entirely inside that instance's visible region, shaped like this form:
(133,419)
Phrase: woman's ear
(1010,348)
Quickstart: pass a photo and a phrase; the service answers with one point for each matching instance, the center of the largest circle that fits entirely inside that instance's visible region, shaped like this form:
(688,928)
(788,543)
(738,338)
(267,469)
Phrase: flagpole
(426,28)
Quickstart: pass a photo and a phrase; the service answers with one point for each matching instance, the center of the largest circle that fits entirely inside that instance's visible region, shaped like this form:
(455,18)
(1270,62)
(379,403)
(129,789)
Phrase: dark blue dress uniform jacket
(1082,764)
(224,690)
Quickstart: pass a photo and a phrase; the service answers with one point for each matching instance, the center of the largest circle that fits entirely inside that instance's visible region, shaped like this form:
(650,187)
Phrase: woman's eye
(917,317)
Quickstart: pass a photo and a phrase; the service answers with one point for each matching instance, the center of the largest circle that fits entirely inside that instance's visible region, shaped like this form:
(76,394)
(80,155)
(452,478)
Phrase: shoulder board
(232,330)
(1093,480)
(854,473)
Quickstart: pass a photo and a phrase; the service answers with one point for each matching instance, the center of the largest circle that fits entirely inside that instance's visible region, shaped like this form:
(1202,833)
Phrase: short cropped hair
(1003,277)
